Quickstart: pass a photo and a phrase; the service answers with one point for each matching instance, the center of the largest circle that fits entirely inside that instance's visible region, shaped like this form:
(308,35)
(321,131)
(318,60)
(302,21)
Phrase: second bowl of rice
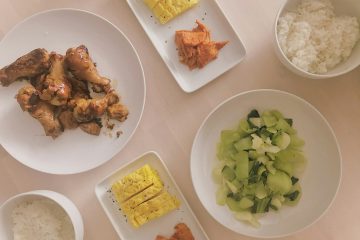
(40,215)
(318,38)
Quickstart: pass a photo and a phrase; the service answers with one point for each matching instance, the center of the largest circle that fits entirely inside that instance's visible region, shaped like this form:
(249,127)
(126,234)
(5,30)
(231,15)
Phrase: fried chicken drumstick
(59,96)
(30,65)
(82,67)
(56,87)
(29,100)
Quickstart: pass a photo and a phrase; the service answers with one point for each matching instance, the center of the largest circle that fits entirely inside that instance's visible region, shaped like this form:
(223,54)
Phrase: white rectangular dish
(161,226)
(162,37)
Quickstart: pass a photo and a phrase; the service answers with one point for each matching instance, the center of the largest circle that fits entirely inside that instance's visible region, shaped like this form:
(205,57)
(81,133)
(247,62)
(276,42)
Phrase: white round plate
(74,151)
(320,181)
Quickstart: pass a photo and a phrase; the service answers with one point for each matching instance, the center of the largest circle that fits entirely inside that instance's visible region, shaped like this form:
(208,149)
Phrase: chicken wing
(102,88)
(82,67)
(56,87)
(161,238)
(118,112)
(30,65)
(86,110)
(92,128)
(28,98)
(67,120)
(80,89)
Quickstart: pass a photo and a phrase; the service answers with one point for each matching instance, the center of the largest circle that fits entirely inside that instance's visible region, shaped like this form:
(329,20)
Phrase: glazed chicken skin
(92,128)
(29,101)
(55,87)
(118,112)
(86,110)
(195,47)
(67,120)
(80,89)
(60,95)
(30,65)
(82,67)
(182,232)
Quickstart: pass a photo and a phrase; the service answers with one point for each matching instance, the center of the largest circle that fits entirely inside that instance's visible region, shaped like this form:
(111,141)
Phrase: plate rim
(299,99)
(176,74)
(17,25)
(177,188)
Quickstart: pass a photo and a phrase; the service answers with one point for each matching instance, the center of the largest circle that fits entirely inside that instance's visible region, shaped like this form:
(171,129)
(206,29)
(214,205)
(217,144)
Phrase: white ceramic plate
(320,181)
(74,151)
(163,225)
(162,37)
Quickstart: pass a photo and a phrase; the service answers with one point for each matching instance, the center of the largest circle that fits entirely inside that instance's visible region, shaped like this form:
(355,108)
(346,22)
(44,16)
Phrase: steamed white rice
(41,220)
(314,39)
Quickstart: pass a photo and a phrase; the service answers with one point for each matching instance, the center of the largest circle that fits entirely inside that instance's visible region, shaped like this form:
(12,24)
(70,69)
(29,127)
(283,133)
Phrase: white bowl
(320,181)
(6,209)
(342,7)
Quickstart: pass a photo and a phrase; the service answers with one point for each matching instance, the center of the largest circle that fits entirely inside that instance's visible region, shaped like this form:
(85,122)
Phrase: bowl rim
(51,195)
(301,100)
(297,69)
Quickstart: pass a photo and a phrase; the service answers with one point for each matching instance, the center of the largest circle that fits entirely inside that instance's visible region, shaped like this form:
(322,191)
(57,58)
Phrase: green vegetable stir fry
(260,164)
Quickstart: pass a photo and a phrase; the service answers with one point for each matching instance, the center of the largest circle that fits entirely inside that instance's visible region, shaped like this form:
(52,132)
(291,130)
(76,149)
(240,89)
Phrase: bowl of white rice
(40,215)
(318,38)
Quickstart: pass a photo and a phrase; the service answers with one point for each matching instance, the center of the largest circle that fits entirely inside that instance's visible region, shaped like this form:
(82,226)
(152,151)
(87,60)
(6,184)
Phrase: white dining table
(172,117)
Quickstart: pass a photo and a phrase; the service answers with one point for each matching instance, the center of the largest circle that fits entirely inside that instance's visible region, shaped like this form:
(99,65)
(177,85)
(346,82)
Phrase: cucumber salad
(260,164)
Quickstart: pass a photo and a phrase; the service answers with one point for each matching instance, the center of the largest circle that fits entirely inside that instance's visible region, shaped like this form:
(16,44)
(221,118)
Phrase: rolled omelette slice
(153,208)
(134,183)
(165,10)
(151,3)
(143,196)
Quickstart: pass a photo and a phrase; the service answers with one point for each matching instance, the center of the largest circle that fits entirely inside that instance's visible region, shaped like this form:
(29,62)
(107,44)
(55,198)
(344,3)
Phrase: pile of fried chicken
(195,47)
(182,232)
(60,92)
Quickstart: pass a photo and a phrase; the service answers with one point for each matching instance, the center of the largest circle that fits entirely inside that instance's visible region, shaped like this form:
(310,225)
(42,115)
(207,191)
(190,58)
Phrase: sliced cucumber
(293,198)
(248,217)
(285,127)
(256,142)
(232,187)
(261,205)
(217,173)
(261,191)
(269,121)
(279,182)
(245,203)
(221,195)
(242,165)
(233,204)
(243,144)
(260,165)
(228,173)
(282,140)
(256,122)
(245,127)
(276,114)
(253,154)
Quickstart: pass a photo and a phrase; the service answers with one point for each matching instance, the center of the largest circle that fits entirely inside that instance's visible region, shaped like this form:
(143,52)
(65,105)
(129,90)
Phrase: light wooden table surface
(172,117)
